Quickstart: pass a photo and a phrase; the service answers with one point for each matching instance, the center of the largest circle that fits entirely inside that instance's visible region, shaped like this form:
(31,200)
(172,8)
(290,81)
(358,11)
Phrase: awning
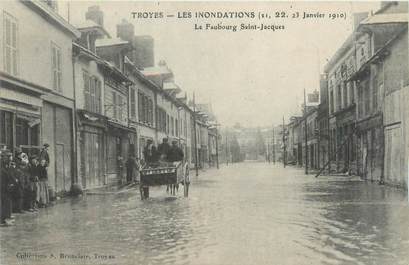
(32,121)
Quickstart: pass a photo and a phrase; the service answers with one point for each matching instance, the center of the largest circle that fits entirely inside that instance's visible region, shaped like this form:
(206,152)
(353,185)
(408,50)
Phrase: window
(98,94)
(56,67)
(133,106)
(140,107)
(161,119)
(367,100)
(345,95)
(114,102)
(92,93)
(6,129)
(145,109)
(360,102)
(167,124)
(87,94)
(339,98)
(172,124)
(150,111)
(10,24)
(119,107)
(351,93)
(331,101)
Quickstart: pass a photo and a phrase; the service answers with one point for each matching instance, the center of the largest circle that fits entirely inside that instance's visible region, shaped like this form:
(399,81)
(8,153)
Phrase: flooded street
(248,213)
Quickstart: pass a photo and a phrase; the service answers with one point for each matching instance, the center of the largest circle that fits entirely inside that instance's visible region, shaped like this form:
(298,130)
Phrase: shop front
(118,141)
(371,138)
(91,149)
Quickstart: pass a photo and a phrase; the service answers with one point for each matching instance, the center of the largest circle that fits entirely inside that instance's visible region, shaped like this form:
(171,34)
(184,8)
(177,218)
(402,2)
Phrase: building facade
(38,89)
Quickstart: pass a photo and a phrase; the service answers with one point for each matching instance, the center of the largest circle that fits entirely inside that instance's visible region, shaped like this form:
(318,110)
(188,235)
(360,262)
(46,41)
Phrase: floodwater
(248,213)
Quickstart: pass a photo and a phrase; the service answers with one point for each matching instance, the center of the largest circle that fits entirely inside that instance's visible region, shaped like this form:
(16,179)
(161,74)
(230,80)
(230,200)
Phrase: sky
(250,77)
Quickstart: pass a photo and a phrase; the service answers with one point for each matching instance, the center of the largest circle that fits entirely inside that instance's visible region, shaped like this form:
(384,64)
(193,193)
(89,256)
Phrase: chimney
(358,17)
(125,30)
(144,53)
(95,14)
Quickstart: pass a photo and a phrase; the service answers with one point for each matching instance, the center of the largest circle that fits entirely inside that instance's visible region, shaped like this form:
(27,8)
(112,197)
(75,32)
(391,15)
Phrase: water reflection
(243,214)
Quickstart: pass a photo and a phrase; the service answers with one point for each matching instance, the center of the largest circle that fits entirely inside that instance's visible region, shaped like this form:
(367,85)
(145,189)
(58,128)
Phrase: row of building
(94,99)
(361,124)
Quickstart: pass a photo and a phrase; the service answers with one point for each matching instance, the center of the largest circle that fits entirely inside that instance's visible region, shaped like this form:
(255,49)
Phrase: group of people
(24,182)
(164,153)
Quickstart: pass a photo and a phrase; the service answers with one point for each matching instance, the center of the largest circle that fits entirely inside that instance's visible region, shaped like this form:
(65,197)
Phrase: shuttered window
(98,88)
(10,39)
(56,67)
(87,95)
(92,93)
(133,105)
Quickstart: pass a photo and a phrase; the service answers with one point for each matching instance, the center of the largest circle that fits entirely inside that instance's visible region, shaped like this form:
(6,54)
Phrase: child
(43,178)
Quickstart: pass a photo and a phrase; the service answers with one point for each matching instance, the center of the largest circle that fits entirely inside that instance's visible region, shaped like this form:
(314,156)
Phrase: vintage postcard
(225,133)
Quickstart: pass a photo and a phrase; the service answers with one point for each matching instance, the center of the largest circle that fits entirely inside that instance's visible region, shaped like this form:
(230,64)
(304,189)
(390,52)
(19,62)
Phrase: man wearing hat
(6,186)
(44,154)
(175,153)
(150,153)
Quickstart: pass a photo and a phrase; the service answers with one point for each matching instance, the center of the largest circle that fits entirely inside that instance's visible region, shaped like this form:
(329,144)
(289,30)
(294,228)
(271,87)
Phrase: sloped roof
(156,70)
(110,42)
(89,24)
(386,19)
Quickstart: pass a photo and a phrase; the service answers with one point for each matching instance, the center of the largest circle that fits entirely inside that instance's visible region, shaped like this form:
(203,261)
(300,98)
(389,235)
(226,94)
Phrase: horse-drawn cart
(171,174)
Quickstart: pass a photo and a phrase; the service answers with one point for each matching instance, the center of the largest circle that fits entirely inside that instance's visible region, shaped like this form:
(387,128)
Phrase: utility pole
(274,147)
(305,133)
(268,150)
(194,128)
(227,154)
(285,148)
(217,148)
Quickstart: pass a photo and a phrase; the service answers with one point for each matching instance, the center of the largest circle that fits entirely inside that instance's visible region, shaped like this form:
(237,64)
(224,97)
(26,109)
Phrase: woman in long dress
(43,178)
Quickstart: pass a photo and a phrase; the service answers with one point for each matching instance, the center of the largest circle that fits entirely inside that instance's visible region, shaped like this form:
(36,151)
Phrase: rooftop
(89,24)
(110,42)
(386,19)
(156,70)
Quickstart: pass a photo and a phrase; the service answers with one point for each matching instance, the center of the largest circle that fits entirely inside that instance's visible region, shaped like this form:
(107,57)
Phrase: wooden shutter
(87,97)
(114,111)
(97,95)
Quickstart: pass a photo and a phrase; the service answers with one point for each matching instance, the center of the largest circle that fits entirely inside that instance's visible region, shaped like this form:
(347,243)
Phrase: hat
(46,145)
(33,157)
